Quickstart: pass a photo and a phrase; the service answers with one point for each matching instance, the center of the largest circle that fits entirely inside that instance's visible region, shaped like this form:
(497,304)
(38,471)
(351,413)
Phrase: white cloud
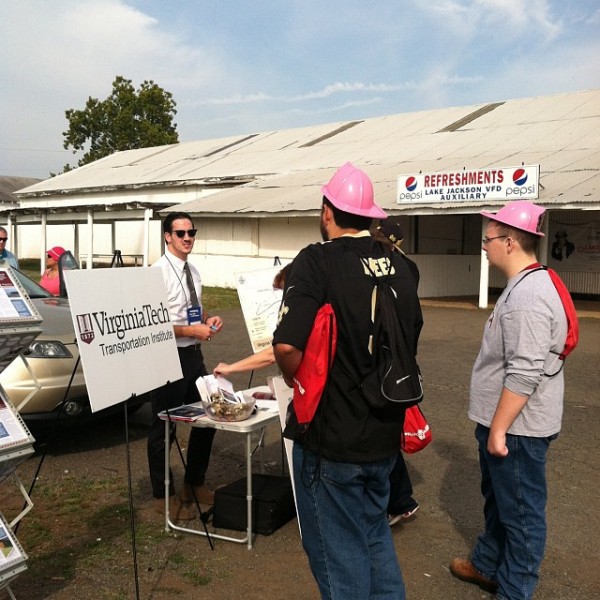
(511,17)
(334,109)
(63,52)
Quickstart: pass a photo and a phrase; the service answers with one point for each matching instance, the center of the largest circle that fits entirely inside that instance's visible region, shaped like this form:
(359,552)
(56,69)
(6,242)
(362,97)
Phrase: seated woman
(50,279)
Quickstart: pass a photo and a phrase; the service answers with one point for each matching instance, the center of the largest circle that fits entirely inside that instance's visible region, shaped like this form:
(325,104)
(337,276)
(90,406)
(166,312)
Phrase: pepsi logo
(411,184)
(519,177)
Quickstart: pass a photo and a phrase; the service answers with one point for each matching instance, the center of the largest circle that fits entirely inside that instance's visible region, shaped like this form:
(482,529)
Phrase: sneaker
(393,519)
(465,571)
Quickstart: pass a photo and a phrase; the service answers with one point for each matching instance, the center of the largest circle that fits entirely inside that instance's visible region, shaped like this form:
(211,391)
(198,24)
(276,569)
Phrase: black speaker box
(272,504)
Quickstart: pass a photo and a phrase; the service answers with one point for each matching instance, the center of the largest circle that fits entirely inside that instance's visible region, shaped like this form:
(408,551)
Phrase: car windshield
(33,289)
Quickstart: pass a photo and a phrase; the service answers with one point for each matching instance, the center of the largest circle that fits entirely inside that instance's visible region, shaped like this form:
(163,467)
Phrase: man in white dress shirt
(192,325)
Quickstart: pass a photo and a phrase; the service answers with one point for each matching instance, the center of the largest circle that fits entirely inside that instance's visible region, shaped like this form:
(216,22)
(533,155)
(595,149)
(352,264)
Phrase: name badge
(194,315)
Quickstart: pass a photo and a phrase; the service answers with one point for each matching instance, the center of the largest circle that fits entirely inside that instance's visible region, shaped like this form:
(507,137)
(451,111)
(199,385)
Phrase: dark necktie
(190,282)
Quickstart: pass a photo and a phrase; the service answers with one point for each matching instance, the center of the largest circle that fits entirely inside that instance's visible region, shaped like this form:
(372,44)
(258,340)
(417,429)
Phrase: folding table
(266,414)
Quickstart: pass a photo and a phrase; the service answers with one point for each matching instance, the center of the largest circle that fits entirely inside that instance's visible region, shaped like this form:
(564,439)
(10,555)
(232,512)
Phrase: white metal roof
(8,185)
(280,172)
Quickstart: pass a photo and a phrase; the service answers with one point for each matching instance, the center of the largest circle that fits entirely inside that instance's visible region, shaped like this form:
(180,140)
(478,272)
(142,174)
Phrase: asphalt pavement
(446,474)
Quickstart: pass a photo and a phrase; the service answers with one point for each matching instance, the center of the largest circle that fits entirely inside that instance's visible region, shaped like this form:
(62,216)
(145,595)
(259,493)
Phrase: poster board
(19,319)
(12,556)
(16,441)
(260,304)
(124,332)
(15,306)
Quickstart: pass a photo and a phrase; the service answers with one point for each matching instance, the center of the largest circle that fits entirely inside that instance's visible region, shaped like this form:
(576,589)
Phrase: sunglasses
(180,233)
(49,256)
(3,239)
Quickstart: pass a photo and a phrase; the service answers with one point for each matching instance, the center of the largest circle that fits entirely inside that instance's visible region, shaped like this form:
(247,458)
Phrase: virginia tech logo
(86,329)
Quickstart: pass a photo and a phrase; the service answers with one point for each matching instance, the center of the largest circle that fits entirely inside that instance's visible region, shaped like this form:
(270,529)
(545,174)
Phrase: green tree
(126,120)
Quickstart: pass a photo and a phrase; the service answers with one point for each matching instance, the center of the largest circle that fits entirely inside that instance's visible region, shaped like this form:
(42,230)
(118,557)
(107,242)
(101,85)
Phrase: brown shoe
(177,510)
(201,493)
(465,571)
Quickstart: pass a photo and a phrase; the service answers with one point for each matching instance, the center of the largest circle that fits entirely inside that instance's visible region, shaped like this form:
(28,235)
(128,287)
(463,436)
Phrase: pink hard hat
(520,214)
(351,190)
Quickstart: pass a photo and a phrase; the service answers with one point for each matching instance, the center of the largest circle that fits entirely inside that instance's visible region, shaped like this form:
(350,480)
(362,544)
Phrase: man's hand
(508,409)
(496,445)
(200,331)
(215,323)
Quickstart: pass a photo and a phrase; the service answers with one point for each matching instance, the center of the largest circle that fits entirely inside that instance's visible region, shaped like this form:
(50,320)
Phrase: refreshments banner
(480,185)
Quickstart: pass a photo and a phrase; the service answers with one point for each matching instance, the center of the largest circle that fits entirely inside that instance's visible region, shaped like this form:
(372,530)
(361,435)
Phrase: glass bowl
(219,410)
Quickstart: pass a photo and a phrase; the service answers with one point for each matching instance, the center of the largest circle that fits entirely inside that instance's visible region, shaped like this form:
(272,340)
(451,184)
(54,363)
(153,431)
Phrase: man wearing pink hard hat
(516,401)
(343,459)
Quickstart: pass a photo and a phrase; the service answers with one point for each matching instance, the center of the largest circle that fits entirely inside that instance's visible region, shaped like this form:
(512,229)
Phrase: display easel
(151,358)
(19,326)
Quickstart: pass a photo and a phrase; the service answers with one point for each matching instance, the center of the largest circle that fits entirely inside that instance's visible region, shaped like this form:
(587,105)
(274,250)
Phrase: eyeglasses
(180,233)
(487,240)
(3,239)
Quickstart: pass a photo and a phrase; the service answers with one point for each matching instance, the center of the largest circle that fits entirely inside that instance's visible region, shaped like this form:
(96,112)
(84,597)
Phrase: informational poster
(12,556)
(16,441)
(19,319)
(13,431)
(124,332)
(12,304)
(260,305)
(15,306)
(574,246)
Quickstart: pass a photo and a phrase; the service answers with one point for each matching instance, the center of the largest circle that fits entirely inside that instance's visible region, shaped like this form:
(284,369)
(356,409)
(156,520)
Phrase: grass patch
(80,523)
(31,267)
(216,299)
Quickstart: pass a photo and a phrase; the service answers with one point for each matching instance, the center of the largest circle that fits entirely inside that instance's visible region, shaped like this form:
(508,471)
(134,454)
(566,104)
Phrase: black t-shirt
(345,428)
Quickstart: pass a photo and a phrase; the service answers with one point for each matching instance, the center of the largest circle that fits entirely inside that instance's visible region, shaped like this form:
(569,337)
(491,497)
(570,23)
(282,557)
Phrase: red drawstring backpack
(416,433)
(312,375)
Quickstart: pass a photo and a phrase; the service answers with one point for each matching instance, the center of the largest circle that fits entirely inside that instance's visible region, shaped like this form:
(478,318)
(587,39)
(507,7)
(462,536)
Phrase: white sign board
(260,305)
(505,183)
(124,332)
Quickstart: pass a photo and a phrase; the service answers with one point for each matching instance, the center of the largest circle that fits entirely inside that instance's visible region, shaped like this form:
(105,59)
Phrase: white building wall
(129,238)
(229,246)
(446,275)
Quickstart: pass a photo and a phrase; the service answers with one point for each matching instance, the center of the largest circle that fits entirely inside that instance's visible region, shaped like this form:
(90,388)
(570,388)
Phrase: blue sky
(237,67)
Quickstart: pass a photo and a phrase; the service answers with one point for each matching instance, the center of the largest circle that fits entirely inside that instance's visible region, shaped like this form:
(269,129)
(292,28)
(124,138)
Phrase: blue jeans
(342,512)
(511,548)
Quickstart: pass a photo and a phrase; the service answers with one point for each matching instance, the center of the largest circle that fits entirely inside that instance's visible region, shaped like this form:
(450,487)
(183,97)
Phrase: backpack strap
(572,338)
(375,279)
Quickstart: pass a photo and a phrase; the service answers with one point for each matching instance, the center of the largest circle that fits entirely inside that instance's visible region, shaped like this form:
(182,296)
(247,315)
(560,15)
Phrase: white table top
(267,411)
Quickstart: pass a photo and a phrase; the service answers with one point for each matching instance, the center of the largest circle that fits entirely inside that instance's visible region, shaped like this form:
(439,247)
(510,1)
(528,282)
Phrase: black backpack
(395,376)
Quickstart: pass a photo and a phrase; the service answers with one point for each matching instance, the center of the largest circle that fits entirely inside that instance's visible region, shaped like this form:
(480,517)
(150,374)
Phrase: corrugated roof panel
(558,132)
(583,159)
